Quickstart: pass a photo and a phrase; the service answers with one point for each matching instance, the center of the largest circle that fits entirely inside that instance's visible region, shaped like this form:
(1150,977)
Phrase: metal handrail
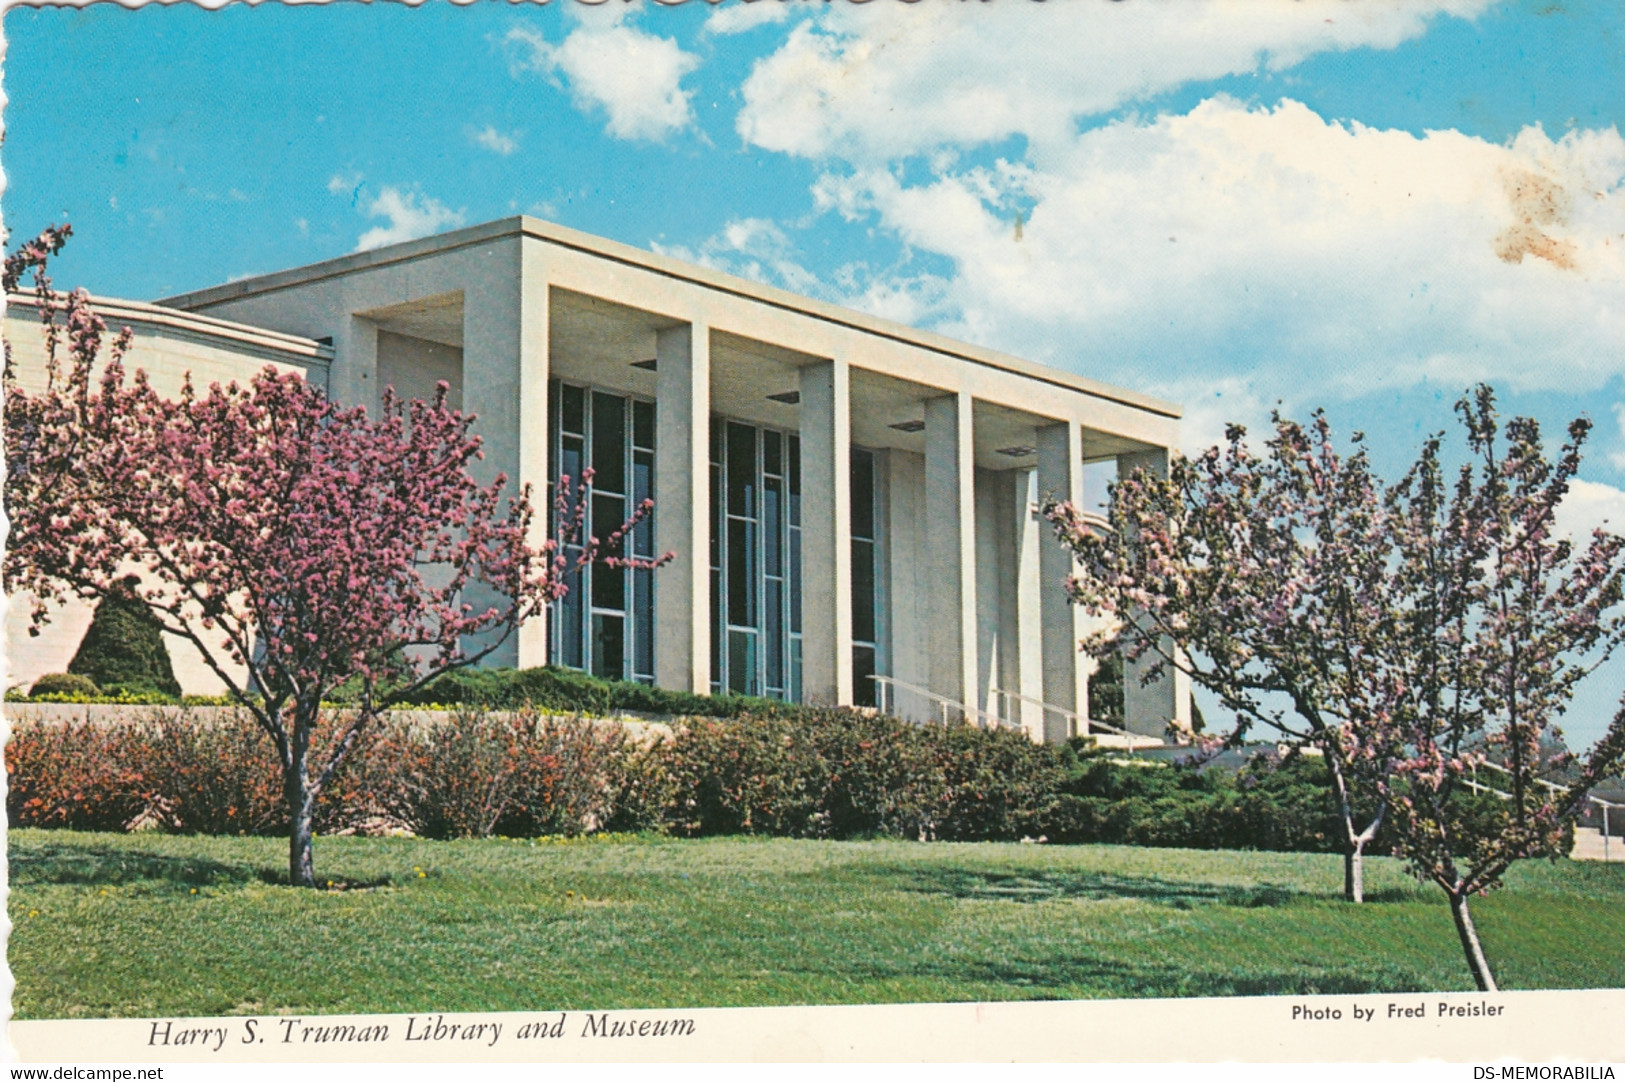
(889,685)
(1082,724)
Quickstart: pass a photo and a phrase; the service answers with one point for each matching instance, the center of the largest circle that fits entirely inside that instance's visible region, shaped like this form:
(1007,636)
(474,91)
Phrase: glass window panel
(794,478)
(573,410)
(608,646)
(741,572)
(742,470)
(570,610)
(717,628)
(608,515)
(795,669)
(772,456)
(863,669)
(716,517)
(643,425)
(570,460)
(773,633)
(643,623)
(608,583)
(742,662)
(795,580)
(608,587)
(772,536)
(863,494)
(863,591)
(643,474)
(609,443)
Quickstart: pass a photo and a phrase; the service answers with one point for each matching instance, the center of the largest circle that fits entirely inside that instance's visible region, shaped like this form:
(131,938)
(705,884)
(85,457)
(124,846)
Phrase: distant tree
(1425,637)
(295,543)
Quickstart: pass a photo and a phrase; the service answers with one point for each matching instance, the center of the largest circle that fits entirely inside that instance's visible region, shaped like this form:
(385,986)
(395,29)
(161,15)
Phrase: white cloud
(495,141)
(1275,245)
(739,17)
(634,76)
(884,81)
(1588,506)
(753,248)
(409,214)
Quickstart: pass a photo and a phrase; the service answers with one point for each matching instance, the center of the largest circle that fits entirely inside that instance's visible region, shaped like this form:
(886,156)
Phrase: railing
(946,709)
(1076,724)
(1607,806)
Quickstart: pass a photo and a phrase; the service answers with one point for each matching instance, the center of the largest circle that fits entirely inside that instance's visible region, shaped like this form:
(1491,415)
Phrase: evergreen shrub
(124,649)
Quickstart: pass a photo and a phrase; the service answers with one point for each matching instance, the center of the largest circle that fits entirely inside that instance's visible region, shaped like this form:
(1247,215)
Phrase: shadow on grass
(278,877)
(104,865)
(109,866)
(1153,979)
(1092,886)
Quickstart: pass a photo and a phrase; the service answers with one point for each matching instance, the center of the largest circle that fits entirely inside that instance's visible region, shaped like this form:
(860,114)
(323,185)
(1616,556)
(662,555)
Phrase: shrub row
(552,689)
(811,773)
(461,776)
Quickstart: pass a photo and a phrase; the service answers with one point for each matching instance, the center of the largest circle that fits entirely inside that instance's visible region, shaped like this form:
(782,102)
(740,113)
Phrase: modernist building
(851,502)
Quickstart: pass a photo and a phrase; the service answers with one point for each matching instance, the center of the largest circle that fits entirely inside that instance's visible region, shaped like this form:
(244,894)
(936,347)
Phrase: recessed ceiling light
(909,426)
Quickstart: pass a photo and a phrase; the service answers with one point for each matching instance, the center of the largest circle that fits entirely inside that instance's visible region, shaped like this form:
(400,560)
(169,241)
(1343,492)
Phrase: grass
(112,925)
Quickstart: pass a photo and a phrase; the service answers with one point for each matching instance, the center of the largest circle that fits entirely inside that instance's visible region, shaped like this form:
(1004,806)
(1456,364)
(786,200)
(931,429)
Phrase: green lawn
(132,925)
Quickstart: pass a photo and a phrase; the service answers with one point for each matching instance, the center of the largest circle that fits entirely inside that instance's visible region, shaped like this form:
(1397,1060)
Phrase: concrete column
(1065,673)
(535,441)
(353,378)
(1027,586)
(1148,710)
(683,508)
(950,524)
(505,371)
(826,533)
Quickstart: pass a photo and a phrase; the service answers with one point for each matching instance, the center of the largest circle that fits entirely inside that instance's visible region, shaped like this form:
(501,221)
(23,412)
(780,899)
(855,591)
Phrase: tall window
(605,624)
(865,533)
(755,561)
(756,572)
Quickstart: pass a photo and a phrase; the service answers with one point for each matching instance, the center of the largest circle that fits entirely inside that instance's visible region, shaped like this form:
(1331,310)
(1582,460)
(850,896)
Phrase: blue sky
(1366,207)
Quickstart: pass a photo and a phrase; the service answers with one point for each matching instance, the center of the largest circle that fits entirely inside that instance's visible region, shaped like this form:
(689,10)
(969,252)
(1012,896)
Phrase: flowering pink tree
(1495,618)
(1257,575)
(285,537)
(1425,637)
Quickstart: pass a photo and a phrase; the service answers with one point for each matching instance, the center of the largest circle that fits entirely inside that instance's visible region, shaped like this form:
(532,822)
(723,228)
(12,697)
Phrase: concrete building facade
(851,502)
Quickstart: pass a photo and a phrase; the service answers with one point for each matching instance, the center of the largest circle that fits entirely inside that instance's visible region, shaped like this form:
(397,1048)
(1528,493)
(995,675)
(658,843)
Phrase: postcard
(994,531)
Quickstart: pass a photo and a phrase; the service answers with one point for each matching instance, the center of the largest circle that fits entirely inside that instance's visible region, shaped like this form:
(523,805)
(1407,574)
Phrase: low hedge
(572,691)
(521,773)
(804,773)
(553,689)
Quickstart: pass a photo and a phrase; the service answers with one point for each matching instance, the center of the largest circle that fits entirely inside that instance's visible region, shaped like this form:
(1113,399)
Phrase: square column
(683,508)
(353,377)
(950,524)
(1149,709)
(505,374)
(1028,587)
(1065,669)
(826,533)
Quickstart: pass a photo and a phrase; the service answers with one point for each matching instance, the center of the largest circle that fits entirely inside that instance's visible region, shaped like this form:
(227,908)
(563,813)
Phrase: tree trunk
(1354,872)
(301,821)
(1470,945)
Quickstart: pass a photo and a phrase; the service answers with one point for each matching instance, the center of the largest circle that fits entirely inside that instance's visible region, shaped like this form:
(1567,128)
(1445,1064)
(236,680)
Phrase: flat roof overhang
(614,251)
